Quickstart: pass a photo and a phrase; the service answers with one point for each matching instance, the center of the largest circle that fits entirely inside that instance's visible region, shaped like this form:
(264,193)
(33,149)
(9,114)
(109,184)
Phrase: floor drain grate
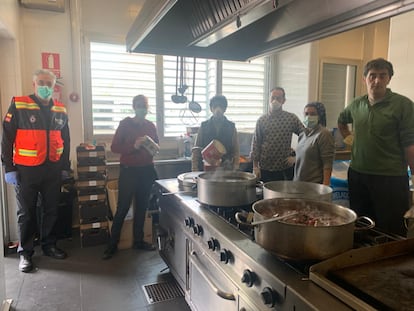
(159,292)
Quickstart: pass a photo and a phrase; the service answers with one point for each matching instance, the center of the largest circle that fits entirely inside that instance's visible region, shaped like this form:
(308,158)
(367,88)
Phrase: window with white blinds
(244,86)
(117,76)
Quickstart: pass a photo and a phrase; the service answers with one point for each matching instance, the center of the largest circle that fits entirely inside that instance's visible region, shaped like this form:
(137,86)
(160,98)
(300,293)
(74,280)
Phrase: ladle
(174,97)
(267,220)
(178,192)
(193,105)
(179,99)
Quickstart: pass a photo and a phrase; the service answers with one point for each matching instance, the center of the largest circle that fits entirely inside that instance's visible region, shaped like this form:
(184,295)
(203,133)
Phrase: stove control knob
(249,277)
(189,222)
(268,296)
(225,255)
(198,230)
(213,244)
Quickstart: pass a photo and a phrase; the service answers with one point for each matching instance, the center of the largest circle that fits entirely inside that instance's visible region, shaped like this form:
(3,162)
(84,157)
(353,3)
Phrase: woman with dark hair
(316,147)
(218,127)
(136,140)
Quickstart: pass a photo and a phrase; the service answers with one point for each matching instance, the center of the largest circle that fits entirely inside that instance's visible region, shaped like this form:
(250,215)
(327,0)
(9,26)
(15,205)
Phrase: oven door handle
(219,292)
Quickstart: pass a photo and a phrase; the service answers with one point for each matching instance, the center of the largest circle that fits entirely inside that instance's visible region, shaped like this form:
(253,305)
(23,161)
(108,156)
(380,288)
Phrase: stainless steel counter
(168,168)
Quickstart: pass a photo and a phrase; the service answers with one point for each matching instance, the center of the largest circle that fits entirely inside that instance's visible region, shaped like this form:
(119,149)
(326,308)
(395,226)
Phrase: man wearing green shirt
(382,147)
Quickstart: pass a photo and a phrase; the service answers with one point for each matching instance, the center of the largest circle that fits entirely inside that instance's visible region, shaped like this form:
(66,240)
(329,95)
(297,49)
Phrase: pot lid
(188,179)
(228,176)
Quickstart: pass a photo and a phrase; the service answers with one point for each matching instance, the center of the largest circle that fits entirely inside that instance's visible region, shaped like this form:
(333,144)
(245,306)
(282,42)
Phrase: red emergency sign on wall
(51,61)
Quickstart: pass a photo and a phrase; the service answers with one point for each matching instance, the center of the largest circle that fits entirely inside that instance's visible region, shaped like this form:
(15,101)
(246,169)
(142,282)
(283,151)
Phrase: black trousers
(385,199)
(134,182)
(46,180)
(286,174)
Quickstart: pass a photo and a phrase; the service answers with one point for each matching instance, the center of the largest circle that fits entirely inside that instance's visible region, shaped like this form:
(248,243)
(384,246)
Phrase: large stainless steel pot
(304,242)
(226,188)
(297,190)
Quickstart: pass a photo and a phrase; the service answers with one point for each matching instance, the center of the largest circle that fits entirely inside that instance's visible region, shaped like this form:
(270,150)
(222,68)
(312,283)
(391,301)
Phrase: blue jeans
(134,182)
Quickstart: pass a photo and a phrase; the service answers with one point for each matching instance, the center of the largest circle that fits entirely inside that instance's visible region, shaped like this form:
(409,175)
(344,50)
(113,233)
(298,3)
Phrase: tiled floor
(85,282)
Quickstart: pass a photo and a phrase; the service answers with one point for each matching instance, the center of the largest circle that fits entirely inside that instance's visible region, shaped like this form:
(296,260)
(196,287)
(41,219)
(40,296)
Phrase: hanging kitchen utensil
(175,98)
(183,87)
(193,105)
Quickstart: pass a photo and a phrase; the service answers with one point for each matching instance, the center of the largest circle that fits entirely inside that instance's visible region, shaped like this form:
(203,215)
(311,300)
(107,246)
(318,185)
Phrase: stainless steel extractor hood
(245,29)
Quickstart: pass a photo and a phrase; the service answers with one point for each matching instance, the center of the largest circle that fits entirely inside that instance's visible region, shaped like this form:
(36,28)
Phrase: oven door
(172,240)
(210,289)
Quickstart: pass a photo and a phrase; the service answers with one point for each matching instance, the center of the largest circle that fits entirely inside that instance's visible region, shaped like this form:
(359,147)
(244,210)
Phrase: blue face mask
(141,112)
(311,121)
(44,92)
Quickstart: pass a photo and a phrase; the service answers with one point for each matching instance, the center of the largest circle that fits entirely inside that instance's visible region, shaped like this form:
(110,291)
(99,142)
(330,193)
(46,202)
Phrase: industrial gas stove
(220,267)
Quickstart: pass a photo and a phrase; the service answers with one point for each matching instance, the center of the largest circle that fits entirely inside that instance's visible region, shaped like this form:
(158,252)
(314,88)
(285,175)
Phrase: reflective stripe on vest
(27,152)
(25,105)
(30,147)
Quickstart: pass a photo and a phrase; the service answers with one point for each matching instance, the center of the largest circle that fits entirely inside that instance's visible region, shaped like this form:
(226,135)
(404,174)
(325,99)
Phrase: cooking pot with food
(297,190)
(226,188)
(315,230)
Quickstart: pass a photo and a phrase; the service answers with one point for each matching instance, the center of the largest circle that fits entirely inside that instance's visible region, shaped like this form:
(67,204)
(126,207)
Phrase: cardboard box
(91,162)
(90,150)
(94,234)
(91,194)
(87,176)
(112,190)
(127,232)
(93,211)
(90,183)
(84,169)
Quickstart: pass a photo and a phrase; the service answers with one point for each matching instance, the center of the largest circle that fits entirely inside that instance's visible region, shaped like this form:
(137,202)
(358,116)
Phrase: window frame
(159,104)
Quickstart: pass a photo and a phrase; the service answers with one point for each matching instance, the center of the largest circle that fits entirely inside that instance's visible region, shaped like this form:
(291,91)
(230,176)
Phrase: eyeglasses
(310,113)
(44,83)
(278,98)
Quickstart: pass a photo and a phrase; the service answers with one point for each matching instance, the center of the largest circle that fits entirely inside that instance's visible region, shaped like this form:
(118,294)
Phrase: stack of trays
(91,195)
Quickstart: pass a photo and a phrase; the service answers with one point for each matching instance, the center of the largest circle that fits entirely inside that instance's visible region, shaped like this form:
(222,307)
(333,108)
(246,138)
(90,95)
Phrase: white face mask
(311,121)
(275,105)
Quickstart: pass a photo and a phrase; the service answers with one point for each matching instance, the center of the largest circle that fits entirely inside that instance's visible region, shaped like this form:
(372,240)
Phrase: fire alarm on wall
(74,97)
